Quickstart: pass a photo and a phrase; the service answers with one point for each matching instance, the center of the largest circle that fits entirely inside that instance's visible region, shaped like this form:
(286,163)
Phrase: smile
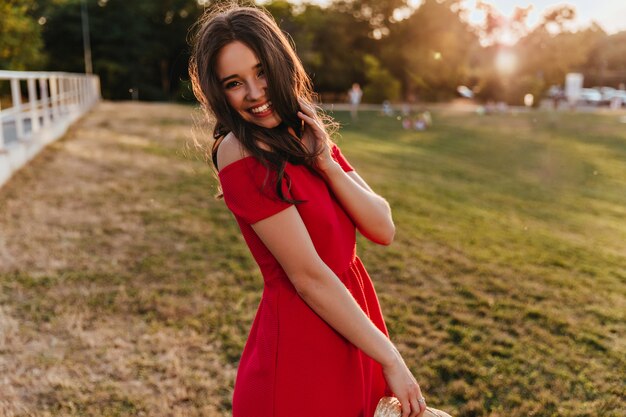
(262,110)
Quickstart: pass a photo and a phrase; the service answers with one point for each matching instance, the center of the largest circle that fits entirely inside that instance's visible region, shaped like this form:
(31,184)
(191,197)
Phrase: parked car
(621,95)
(596,96)
(590,96)
(607,94)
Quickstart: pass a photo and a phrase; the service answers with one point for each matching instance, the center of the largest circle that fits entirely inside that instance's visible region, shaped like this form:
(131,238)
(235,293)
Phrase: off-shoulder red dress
(294,364)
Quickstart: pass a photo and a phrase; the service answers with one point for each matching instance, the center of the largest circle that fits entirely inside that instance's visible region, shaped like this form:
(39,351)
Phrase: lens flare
(506,62)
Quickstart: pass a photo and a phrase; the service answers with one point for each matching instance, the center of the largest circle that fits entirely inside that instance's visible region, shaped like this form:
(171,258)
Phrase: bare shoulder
(229,151)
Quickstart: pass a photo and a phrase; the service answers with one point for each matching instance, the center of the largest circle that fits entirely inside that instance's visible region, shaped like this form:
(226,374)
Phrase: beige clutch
(390,407)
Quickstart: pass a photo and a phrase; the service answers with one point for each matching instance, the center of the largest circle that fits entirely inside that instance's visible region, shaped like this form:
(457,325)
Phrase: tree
(606,62)
(135,45)
(440,46)
(558,17)
(329,41)
(549,56)
(379,14)
(380,83)
(21,46)
(499,29)
(544,56)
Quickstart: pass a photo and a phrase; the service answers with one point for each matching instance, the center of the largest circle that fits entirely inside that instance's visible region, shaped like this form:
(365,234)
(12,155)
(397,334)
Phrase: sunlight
(507,37)
(506,62)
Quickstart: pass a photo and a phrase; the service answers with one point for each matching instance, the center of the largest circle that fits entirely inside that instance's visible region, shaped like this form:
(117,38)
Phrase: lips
(263,110)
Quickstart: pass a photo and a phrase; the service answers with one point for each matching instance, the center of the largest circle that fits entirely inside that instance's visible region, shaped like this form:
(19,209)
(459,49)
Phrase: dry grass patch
(109,301)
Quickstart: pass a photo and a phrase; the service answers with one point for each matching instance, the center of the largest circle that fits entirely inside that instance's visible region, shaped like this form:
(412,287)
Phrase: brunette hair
(286,82)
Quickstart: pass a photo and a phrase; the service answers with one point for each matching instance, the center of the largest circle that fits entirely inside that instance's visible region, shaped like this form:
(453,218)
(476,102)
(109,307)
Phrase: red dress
(294,364)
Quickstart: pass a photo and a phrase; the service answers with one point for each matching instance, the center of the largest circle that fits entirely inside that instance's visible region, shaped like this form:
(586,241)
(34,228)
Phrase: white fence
(44,105)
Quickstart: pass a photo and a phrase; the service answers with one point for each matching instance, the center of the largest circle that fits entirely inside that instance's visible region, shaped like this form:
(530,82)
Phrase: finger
(304,116)
(406,407)
(421,404)
(415,408)
(307,108)
(309,120)
(422,409)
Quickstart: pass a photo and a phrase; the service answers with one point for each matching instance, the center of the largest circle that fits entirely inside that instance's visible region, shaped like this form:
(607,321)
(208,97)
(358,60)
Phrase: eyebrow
(235,75)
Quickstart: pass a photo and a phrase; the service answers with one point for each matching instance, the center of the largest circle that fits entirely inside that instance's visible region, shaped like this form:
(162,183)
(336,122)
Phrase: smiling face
(244,84)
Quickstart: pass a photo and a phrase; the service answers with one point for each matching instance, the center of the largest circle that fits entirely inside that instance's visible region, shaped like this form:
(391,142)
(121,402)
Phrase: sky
(610,14)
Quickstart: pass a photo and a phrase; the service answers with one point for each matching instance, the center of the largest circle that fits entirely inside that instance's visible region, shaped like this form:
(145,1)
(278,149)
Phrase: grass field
(126,288)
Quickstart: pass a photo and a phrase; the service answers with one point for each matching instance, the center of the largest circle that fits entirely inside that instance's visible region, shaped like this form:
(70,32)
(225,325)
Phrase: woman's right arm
(286,236)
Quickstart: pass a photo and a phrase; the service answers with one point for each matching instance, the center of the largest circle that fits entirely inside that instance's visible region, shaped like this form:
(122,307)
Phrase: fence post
(79,92)
(45,101)
(1,130)
(16,97)
(63,95)
(75,94)
(42,111)
(34,111)
(54,97)
(70,94)
(83,91)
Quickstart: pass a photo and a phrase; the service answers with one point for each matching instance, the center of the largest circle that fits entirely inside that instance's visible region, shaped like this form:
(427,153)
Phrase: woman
(318,346)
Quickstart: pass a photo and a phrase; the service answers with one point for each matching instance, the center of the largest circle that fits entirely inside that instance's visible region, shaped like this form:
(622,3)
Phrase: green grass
(505,288)
(509,267)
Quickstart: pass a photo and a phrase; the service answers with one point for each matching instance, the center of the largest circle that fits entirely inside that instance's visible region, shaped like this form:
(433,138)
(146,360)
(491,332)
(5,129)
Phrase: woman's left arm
(369,211)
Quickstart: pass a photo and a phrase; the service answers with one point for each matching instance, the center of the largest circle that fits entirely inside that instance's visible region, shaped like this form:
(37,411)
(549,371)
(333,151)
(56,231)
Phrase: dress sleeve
(245,193)
(338,156)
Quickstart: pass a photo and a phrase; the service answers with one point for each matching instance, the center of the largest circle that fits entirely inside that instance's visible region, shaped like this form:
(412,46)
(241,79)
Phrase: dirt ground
(77,239)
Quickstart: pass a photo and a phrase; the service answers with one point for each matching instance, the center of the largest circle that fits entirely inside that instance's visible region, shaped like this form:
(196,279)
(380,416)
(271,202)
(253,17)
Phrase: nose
(256,89)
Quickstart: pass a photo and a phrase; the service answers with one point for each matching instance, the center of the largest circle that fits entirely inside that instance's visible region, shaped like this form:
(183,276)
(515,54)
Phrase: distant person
(387,109)
(354,95)
(428,119)
(318,346)
(407,122)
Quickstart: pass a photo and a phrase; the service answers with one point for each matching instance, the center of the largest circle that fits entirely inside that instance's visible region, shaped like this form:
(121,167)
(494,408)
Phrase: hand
(314,135)
(405,388)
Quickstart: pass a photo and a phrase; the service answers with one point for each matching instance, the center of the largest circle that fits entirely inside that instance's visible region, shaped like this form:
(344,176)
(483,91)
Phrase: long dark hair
(286,79)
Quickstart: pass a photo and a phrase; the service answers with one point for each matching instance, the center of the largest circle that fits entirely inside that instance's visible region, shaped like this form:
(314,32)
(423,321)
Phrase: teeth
(261,108)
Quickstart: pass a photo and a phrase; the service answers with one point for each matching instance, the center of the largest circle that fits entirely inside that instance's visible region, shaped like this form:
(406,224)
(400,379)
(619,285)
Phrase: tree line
(395,52)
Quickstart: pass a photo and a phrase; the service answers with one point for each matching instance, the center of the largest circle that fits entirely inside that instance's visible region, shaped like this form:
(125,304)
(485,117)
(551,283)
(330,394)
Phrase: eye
(231,84)
(261,73)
